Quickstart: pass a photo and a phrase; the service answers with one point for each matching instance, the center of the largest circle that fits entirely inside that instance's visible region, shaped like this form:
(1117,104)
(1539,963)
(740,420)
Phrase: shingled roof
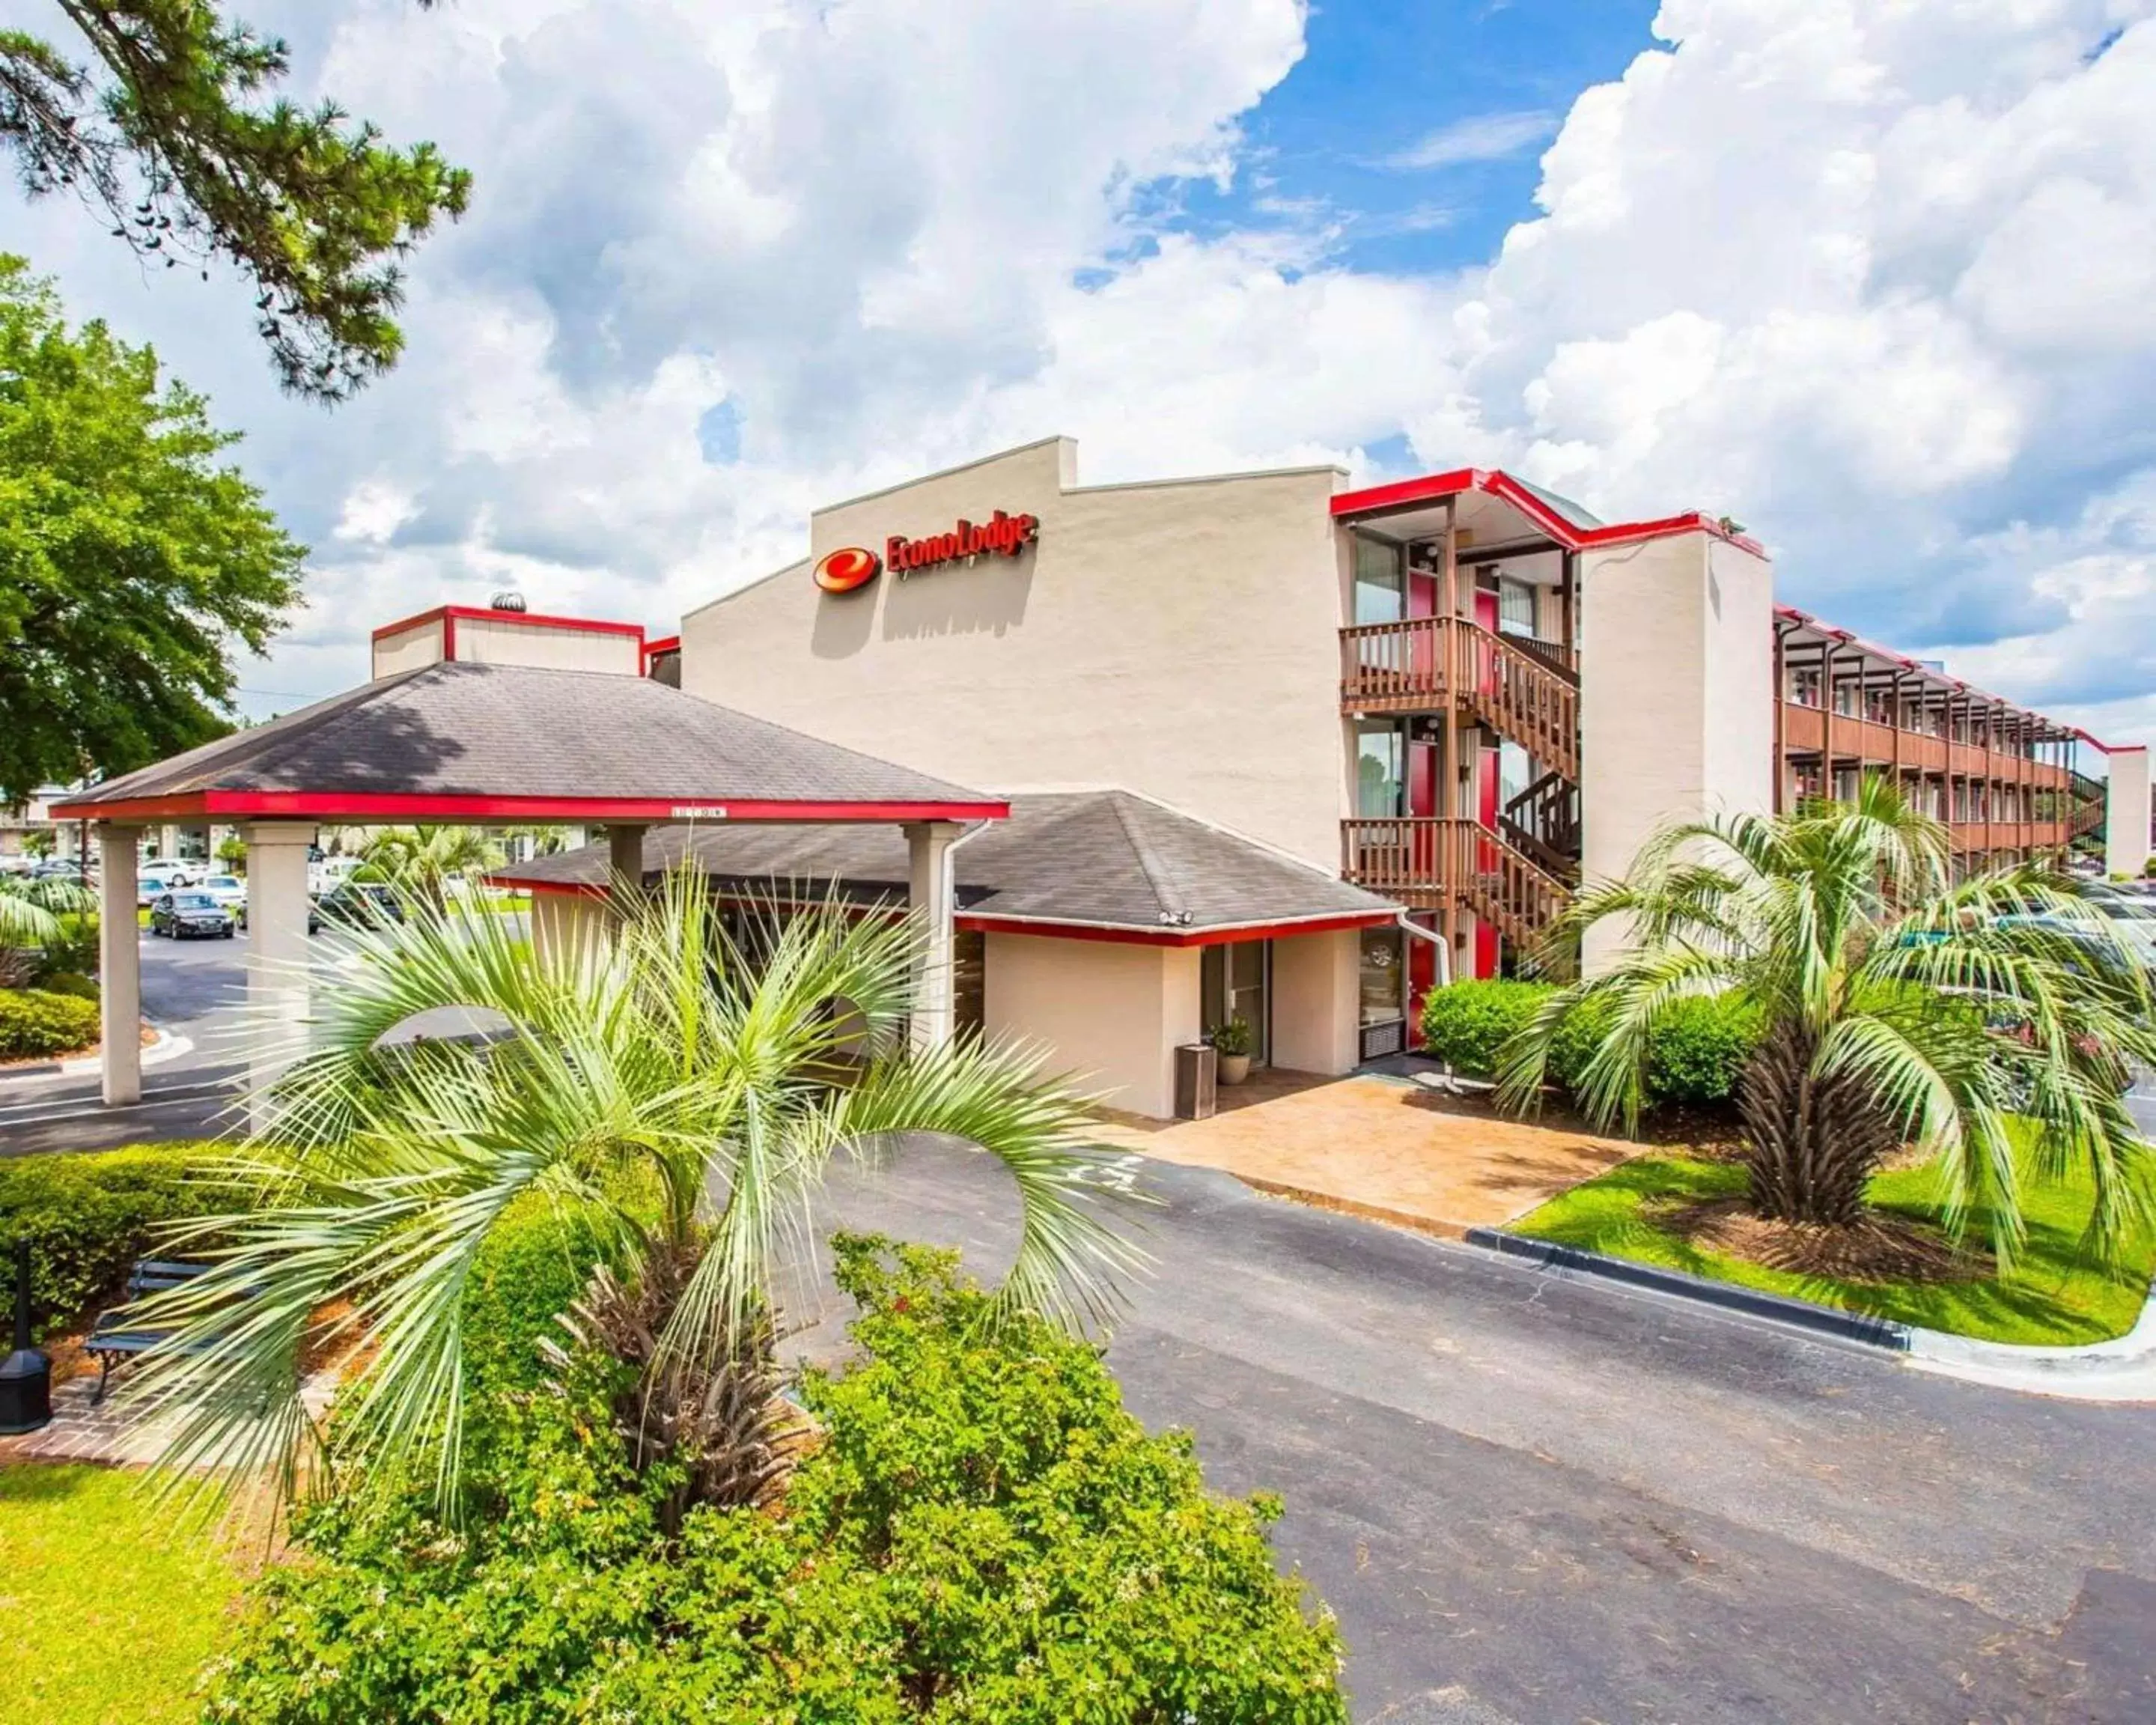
(1100,860)
(475,741)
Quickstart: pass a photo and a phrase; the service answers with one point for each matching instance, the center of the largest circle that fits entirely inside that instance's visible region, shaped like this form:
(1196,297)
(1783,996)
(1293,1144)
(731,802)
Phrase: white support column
(2126,812)
(625,856)
(120,966)
(277,980)
(928,874)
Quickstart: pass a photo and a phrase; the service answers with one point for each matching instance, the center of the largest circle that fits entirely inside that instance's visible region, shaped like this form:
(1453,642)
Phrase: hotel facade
(1279,748)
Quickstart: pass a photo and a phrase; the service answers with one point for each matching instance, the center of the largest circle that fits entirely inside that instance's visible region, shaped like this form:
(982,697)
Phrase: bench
(114,1337)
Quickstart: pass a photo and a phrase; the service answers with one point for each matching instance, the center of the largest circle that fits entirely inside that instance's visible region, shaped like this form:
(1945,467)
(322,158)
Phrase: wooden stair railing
(1518,695)
(1431,862)
(1543,822)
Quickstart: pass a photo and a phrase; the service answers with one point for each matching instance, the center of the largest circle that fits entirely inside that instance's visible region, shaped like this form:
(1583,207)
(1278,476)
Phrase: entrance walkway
(1382,1147)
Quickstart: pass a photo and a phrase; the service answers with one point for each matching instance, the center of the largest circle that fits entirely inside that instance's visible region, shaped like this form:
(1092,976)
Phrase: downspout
(1444,947)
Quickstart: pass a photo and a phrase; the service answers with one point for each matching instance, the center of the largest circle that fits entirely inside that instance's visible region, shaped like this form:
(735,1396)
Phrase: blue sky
(1476,91)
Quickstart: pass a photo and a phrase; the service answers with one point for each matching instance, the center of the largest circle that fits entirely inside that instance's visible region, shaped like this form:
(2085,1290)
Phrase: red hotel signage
(1004,535)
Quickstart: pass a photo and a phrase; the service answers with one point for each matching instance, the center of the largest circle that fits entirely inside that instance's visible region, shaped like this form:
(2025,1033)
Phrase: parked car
(227,889)
(356,903)
(190,912)
(153,880)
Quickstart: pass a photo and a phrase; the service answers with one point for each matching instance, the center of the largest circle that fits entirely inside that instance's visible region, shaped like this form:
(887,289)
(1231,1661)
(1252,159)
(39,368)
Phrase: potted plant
(1231,1044)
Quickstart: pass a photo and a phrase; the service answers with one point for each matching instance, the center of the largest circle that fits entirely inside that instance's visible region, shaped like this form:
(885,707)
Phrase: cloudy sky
(1877,277)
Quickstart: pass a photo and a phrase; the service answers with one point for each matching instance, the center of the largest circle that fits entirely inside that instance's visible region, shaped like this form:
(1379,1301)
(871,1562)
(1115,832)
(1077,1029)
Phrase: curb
(1880,1333)
(164,1045)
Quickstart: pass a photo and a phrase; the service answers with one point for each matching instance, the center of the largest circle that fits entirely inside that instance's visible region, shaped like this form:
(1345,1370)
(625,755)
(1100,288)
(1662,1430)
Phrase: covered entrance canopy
(474,743)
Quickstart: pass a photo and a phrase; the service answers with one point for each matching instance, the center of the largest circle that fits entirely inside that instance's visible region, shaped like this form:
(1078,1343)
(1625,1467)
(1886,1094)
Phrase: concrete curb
(2122,1369)
(165,1045)
(1824,1320)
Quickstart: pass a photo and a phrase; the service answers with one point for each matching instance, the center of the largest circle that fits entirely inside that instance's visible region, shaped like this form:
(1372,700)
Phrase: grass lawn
(107,1610)
(2052,1296)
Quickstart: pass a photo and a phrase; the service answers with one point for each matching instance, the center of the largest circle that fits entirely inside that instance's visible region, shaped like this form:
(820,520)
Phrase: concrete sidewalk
(1385,1148)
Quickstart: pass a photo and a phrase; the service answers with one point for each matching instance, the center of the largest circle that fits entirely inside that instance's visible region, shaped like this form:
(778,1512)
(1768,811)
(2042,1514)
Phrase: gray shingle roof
(516,731)
(1104,858)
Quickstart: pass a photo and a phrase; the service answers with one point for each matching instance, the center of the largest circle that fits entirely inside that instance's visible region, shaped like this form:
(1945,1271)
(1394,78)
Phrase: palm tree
(1898,1005)
(660,1058)
(30,910)
(422,861)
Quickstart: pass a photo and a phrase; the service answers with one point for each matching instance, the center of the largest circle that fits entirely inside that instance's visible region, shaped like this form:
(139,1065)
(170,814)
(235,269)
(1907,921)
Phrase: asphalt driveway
(1533,1499)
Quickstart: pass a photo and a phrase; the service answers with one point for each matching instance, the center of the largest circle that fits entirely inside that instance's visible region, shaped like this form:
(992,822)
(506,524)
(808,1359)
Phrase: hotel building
(1280,748)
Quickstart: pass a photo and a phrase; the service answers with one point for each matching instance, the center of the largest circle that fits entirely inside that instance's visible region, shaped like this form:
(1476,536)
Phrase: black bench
(115,1336)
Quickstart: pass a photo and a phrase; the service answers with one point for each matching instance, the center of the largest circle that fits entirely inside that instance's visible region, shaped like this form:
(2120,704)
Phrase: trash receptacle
(1197,1069)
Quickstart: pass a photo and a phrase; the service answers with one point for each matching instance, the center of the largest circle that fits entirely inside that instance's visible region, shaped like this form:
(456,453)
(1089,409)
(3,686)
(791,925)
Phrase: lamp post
(25,1375)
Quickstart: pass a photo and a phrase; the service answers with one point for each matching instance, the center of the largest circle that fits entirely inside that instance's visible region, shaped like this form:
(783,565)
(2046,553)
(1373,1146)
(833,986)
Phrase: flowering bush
(980,1533)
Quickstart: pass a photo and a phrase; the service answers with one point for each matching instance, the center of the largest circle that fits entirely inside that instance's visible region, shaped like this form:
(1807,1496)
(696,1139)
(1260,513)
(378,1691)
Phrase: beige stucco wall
(559,920)
(1106,1014)
(409,650)
(1314,1002)
(2126,812)
(505,640)
(1179,639)
(1676,681)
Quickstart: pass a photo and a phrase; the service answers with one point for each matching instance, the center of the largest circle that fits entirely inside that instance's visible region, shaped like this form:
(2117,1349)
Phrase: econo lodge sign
(855,566)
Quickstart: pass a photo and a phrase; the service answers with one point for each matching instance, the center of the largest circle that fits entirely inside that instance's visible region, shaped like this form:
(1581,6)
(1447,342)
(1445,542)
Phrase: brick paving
(1391,1149)
(112,1432)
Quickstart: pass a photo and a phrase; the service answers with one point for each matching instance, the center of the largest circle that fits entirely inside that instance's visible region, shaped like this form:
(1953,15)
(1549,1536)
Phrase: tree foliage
(1895,1004)
(132,562)
(169,132)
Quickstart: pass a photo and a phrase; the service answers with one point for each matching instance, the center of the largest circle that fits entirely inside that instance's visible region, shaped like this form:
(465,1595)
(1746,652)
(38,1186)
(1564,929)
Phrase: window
(1516,607)
(1844,697)
(1382,976)
(1805,685)
(1380,778)
(1380,581)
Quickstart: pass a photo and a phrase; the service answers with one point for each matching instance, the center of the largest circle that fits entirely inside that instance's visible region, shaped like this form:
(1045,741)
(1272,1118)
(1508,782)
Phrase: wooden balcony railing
(1526,692)
(1871,744)
(1439,863)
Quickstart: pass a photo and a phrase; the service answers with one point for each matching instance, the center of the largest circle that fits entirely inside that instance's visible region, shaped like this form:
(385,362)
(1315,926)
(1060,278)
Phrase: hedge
(34,1022)
(89,1216)
(1694,1056)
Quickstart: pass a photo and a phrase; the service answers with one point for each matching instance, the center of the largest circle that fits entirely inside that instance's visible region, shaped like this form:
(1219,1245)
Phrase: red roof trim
(401,806)
(1431,488)
(448,614)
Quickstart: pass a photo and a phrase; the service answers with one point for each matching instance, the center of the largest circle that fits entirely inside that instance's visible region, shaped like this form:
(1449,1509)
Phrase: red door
(1485,812)
(1422,652)
(1422,977)
(1485,615)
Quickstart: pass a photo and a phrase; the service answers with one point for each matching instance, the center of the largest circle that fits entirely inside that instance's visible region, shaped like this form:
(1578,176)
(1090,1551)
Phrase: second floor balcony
(1523,689)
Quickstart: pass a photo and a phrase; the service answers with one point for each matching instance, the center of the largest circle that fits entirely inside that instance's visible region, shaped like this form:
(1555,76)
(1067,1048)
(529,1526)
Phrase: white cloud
(1479,138)
(1880,281)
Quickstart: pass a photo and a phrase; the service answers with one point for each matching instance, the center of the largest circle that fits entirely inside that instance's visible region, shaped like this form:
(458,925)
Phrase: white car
(229,890)
(332,872)
(155,878)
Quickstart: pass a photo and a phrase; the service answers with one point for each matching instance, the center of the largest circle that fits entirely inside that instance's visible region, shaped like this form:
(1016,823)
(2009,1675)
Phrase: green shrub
(72,982)
(90,1216)
(984,1533)
(1695,1056)
(534,1264)
(1697,1053)
(33,1022)
(1465,1023)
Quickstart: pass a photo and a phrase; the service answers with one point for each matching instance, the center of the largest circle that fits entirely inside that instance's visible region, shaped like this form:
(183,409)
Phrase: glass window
(1516,607)
(1382,976)
(1380,581)
(1805,685)
(1380,781)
